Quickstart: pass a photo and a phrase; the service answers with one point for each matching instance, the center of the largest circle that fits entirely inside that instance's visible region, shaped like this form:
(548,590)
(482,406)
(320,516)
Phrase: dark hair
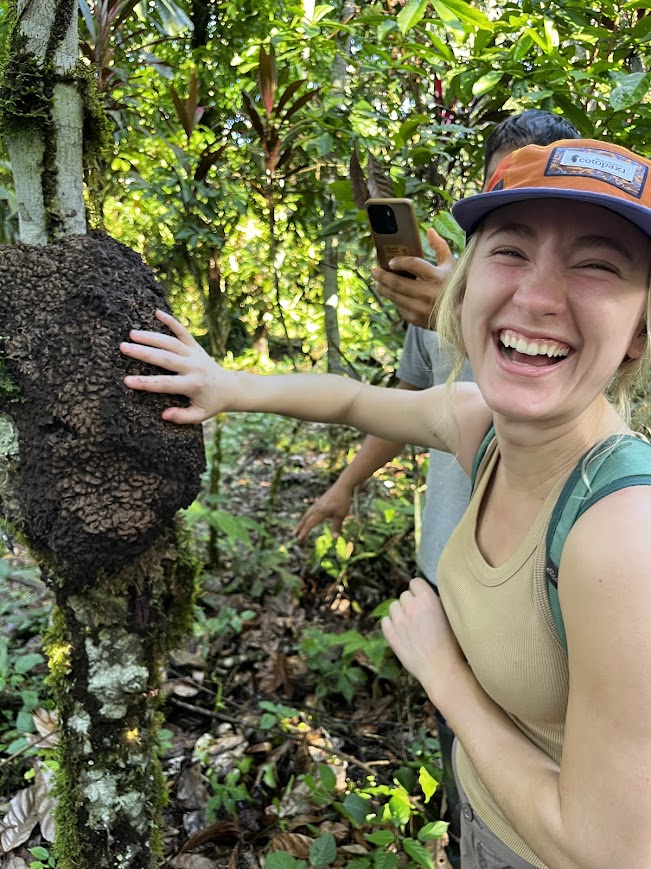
(533,127)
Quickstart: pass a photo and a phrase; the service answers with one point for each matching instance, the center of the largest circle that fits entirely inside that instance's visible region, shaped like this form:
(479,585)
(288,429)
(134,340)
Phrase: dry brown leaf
(339,830)
(185,658)
(354,849)
(440,854)
(180,688)
(17,825)
(234,859)
(298,802)
(221,832)
(14,862)
(296,844)
(192,788)
(44,803)
(274,674)
(46,723)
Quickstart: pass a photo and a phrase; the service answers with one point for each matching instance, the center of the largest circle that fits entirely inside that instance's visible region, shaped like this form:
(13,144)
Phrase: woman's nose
(541,292)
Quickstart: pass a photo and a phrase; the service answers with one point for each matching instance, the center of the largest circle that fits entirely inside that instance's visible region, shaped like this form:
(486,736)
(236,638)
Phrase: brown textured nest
(100,473)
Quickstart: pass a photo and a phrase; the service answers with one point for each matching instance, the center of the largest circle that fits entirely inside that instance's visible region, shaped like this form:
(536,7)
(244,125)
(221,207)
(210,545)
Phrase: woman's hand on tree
(193,372)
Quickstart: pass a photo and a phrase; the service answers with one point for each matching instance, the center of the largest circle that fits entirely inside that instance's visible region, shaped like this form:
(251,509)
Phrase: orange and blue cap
(579,170)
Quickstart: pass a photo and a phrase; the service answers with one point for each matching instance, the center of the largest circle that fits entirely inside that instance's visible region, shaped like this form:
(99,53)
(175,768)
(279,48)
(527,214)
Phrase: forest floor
(291,736)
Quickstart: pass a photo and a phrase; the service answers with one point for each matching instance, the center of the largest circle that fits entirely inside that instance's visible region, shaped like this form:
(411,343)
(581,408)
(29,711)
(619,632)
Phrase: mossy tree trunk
(89,474)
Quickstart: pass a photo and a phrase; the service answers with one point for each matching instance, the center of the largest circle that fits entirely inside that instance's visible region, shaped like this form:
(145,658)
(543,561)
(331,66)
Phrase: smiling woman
(550,302)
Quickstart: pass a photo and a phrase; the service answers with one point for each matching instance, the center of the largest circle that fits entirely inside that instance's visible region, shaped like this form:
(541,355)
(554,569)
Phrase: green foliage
(393,823)
(336,660)
(44,858)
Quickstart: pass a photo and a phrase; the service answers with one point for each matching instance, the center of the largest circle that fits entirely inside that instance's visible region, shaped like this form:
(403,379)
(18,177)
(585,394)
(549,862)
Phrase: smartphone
(394,229)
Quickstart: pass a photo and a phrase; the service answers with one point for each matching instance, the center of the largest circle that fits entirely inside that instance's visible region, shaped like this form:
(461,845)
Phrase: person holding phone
(425,363)
(551,302)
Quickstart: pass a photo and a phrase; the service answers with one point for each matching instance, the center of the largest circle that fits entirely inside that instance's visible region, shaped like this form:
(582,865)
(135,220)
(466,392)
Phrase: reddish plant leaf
(288,93)
(358,181)
(267,77)
(300,102)
(379,184)
(254,115)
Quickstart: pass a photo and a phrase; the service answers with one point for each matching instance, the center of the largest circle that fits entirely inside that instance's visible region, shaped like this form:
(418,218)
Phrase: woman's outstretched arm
(427,418)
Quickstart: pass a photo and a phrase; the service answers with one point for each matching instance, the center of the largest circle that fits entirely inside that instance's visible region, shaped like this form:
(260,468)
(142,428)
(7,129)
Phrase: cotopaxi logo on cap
(617,170)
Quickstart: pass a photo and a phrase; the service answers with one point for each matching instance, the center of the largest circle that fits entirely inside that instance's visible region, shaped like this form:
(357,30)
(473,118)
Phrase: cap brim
(469,212)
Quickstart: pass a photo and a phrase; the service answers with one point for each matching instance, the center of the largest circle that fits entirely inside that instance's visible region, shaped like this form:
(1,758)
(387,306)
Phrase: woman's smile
(553,303)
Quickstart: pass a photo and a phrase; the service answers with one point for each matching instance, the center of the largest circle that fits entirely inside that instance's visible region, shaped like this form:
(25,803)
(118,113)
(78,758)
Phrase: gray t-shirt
(423,364)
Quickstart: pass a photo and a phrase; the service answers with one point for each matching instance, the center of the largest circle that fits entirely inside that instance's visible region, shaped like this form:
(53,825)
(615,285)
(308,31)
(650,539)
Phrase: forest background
(239,135)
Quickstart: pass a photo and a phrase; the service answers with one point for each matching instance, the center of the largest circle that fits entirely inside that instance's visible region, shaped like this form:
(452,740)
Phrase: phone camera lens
(382,219)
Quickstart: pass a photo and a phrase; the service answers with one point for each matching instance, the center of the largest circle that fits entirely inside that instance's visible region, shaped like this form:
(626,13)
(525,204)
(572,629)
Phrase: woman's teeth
(541,347)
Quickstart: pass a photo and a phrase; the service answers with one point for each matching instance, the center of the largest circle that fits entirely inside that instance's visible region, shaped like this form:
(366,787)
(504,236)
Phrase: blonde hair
(627,381)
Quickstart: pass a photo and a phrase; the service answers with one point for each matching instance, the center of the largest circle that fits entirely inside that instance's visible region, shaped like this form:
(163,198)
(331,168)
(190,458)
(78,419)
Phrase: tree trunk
(90,474)
(44,130)
(330,262)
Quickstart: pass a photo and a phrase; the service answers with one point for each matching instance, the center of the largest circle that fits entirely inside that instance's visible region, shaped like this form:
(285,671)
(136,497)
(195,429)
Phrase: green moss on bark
(26,93)
(106,652)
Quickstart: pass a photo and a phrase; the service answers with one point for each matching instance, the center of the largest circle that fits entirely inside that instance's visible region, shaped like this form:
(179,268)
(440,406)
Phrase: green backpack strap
(618,463)
(479,457)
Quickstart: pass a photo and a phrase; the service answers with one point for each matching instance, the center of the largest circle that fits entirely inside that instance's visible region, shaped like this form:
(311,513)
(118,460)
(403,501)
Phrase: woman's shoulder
(471,421)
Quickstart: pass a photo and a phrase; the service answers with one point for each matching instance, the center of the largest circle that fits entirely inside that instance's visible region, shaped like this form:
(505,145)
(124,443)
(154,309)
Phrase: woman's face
(554,301)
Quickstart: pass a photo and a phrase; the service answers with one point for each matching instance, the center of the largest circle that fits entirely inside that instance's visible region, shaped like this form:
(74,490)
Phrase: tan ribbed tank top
(503,622)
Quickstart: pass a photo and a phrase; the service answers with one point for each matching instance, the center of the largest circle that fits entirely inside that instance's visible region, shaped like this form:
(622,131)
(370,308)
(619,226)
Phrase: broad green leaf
(24,722)
(418,853)
(466,13)
(630,91)
(435,830)
(386,860)
(327,777)
(359,863)
(320,12)
(280,860)
(411,14)
(343,548)
(342,190)
(25,663)
(356,808)
(447,16)
(400,807)
(447,226)
(487,82)
(385,28)
(427,783)
(381,837)
(324,850)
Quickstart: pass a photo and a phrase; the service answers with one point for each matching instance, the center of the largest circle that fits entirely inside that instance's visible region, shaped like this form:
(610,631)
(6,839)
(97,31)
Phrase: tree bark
(46,154)
(76,459)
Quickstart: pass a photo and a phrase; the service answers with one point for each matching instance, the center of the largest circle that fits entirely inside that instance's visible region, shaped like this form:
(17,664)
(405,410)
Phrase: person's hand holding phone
(415,297)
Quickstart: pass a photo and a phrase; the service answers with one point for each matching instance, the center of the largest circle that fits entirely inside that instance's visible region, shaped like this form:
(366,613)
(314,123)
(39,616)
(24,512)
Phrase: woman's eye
(605,267)
(507,251)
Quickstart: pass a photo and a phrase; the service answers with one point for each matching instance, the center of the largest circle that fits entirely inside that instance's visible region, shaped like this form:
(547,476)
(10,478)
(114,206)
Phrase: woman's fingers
(176,328)
(159,340)
(184,415)
(166,359)
(170,384)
